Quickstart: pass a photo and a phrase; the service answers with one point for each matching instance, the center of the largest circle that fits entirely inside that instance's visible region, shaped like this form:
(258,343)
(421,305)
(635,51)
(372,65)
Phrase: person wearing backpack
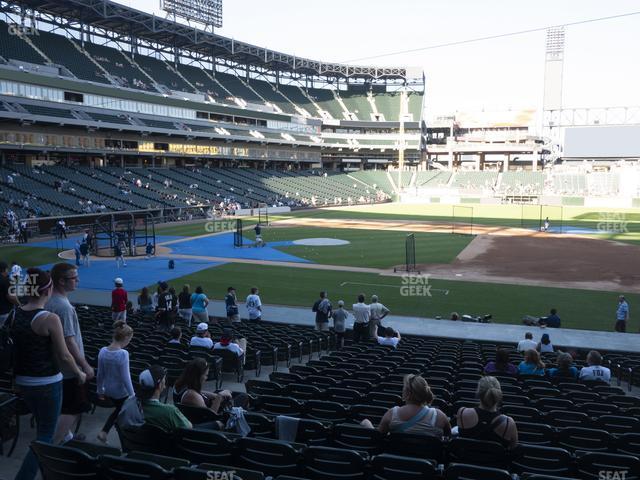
(39,347)
(322,309)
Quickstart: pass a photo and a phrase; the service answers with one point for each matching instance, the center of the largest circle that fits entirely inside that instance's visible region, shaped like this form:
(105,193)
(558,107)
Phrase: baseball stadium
(175,200)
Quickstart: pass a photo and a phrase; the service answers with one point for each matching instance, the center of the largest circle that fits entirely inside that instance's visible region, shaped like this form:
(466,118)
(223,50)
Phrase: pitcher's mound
(320,242)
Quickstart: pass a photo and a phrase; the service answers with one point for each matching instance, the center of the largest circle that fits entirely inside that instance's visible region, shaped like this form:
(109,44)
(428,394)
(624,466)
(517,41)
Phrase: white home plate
(320,242)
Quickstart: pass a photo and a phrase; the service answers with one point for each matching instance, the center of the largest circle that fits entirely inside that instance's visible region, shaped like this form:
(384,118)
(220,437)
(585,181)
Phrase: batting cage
(131,233)
(237,235)
(462,220)
(410,255)
(263,214)
(542,218)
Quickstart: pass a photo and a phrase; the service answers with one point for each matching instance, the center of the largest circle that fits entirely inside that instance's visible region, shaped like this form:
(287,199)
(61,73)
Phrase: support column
(505,164)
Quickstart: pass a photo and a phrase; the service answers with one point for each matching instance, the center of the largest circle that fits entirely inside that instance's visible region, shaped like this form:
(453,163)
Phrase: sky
(602,59)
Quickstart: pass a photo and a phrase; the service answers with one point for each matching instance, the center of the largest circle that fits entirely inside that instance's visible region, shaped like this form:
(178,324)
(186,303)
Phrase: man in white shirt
(391,338)
(527,343)
(202,337)
(361,314)
(225,343)
(378,312)
(254,305)
(595,371)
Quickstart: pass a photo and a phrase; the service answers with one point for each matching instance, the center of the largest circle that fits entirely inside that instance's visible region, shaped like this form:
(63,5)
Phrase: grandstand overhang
(129,23)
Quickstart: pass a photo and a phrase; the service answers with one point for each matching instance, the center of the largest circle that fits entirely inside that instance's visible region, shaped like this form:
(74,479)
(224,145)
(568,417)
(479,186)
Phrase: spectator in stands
(339,323)
(145,302)
(199,302)
(156,296)
(119,299)
(361,314)
(254,305)
(391,338)
(545,345)
(377,312)
(176,336)
(188,388)
(167,308)
(454,316)
(595,372)
(114,378)
(501,365)
(184,305)
(415,416)
(527,343)
(146,408)
(228,342)
(565,368)
(8,299)
(16,273)
(40,350)
(231,305)
(75,397)
(202,338)
(485,422)
(322,309)
(622,314)
(531,365)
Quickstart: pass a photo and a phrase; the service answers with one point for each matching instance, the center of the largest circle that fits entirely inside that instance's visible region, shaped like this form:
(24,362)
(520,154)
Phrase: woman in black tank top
(39,349)
(485,422)
(188,387)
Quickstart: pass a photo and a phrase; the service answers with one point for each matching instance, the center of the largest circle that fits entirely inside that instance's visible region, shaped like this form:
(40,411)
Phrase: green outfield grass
(592,310)
(367,248)
(27,256)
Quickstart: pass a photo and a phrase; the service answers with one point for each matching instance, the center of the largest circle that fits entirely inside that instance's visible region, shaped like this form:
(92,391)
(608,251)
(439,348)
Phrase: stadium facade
(103,84)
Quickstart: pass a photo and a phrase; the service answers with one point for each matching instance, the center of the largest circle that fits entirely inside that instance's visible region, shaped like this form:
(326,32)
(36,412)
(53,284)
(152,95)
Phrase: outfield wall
(250,212)
(439,196)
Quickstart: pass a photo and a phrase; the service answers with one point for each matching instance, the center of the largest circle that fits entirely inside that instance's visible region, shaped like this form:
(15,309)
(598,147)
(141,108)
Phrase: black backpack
(7,346)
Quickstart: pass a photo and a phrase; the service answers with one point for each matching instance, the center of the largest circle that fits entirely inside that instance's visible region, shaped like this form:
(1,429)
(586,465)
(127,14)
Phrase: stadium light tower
(553,69)
(204,12)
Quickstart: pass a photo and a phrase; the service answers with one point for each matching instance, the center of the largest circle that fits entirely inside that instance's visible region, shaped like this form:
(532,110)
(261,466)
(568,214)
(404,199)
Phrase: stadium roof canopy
(129,22)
